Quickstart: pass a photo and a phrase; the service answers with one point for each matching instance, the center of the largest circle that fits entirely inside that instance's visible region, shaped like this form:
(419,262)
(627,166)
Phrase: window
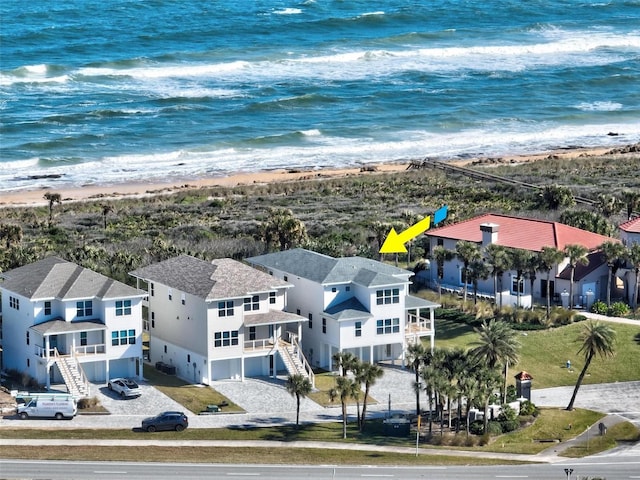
(123,307)
(543,288)
(286,279)
(440,242)
(515,287)
(188,358)
(310,321)
(334,289)
(183,298)
(324,325)
(47,307)
(152,289)
(358,329)
(388,325)
(165,349)
(83,338)
(225,339)
(252,303)
(14,303)
(84,309)
(348,288)
(298,311)
(170,291)
(225,309)
(272,297)
(153,324)
(252,333)
(388,296)
(28,341)
(469,283)
(123,337)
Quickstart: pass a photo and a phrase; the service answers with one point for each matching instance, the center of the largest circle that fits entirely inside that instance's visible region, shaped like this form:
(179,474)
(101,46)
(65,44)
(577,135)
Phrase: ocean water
(145,91)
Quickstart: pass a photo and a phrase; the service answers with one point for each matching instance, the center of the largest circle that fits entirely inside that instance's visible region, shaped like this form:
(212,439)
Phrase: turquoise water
(106,92)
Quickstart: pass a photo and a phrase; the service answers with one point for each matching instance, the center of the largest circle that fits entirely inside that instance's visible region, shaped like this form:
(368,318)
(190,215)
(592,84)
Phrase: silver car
(125,387)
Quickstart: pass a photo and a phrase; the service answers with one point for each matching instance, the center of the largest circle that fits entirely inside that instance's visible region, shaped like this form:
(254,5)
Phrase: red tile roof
(525,233)
(632,226)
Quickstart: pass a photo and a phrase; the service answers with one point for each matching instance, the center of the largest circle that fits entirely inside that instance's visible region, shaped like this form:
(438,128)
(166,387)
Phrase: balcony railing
(259,344)
(90,349)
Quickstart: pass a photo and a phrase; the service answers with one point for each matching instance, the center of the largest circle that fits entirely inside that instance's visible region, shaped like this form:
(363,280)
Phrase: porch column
(48,376)
(432,318)
(208,362)
(242,368)
(371,353)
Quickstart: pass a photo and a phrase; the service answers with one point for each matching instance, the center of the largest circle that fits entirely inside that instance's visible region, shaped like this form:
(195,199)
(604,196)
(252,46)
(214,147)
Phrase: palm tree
(344,389)
(498,257)
(11,234)
(549,258)
(487,380)
(282,229)
(415,356)
(631,200)
(577,255)
(633,255)
(478,270)
(609,204)
(441,255)
(597,339)
(613,254)
(534,265)
(467,252)
(520,259)
(368,373)
(496,347)
(299,386)
(106,210)
(52,198)
(345,361)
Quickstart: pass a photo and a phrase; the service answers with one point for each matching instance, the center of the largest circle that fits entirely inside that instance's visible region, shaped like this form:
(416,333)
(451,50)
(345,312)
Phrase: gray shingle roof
(53,277)
(272,317)
(325,270)
(54,327)
(411,302)
(222,278)
(350,309)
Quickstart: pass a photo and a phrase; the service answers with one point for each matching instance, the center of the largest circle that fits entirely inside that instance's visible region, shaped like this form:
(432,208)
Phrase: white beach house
(65,323)
(220,320)
(352,305)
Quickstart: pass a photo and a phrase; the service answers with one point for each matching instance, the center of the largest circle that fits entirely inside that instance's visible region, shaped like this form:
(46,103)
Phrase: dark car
(177,421)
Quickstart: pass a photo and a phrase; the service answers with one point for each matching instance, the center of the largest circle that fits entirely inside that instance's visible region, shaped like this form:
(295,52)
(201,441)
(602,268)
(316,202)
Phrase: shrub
(494,428)
(476,427)
(507,414)
(528,408)
(88,402)
(509,425)
(618,309)
(599,307)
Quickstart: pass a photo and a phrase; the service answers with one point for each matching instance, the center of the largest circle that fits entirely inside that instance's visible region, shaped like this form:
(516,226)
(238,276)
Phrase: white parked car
(125,387)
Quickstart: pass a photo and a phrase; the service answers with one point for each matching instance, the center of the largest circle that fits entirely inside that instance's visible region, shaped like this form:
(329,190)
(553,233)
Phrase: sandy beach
(122,190)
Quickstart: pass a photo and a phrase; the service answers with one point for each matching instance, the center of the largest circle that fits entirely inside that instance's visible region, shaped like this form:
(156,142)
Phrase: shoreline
(110,192)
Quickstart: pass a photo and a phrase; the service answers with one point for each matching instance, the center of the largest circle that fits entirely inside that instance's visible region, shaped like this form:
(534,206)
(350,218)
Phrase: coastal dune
(121,190)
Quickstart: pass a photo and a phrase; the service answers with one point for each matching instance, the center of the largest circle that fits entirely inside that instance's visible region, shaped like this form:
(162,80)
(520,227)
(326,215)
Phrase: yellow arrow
(394,243)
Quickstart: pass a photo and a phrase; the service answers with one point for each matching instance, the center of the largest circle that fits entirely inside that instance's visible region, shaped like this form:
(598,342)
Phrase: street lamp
(568,471)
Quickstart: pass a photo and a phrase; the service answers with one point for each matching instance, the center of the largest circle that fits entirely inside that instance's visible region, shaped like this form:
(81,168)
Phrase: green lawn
(544,353)
(193,397)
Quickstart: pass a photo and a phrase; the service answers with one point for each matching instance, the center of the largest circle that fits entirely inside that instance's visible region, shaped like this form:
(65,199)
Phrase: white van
(50,406)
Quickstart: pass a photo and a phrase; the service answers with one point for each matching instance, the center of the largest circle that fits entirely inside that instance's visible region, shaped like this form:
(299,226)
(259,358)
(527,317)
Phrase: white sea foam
(288,11)
(497,138)
(600,106)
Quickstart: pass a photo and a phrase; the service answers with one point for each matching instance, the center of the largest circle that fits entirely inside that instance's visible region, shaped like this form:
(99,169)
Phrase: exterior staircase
(73,376)
(294,360)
